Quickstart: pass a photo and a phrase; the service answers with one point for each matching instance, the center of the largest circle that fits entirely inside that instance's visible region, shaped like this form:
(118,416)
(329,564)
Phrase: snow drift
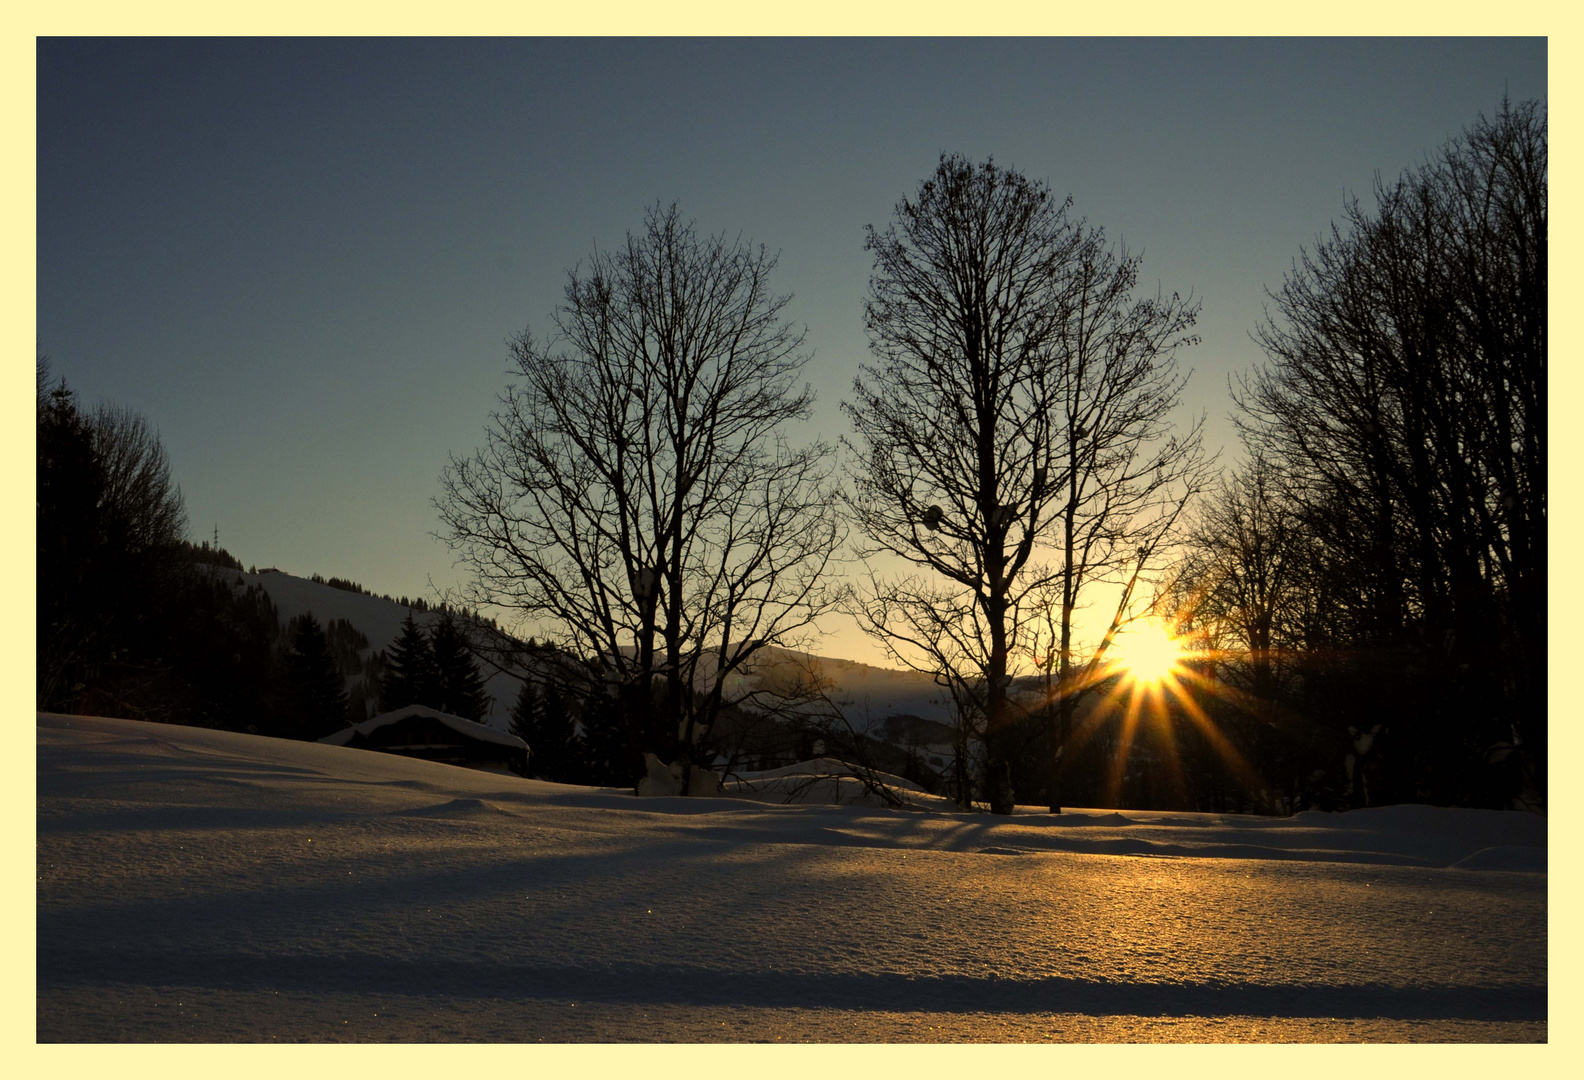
(212,886)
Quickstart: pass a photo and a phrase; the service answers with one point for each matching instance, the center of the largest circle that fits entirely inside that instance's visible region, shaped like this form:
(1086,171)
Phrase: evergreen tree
(524,724)
(409,670)
(557,736)
(605,757)
(226,653)
(542,719)
(317,701)
(525,714)
(346,643)
(458,686)
(71,628)
(347,646)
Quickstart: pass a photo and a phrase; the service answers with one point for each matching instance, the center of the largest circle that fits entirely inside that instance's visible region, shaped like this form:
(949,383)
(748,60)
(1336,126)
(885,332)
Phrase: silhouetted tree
(1018,412)
(635,493)
(347,644)
(315,703)
(1403,399)
(110,562)
(226,642)
(69,482)
(458,687)
(210,555)
(409,675)
(604,742)
(542,719)
(524,722)
(1247,586)
(557,733)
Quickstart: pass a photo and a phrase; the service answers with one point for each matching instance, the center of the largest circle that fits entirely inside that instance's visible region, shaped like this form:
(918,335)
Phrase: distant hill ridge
(868,694)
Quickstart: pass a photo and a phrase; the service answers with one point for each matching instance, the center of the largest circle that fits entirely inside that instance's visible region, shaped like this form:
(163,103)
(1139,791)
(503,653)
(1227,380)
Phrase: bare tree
(1404,401)
(1014,433)
(635,495)
(145,500)
(1127,476)
(1244,580)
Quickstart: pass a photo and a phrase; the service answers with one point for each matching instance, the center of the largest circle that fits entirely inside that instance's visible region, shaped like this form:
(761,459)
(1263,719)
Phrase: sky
(301,259)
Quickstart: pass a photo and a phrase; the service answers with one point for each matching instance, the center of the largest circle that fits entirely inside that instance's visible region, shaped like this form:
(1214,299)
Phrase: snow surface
(211,886)
(666,780)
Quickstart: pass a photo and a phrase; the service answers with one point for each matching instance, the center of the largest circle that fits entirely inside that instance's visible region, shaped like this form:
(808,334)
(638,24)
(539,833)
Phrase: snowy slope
(377,619)
(211,886)
(866,694)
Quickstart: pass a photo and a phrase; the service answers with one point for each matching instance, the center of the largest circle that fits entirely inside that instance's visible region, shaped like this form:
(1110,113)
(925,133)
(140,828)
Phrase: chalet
(421,732)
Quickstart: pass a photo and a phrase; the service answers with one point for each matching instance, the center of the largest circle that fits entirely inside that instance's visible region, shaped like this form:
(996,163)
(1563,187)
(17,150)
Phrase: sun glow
(1148,652)
(1158,715)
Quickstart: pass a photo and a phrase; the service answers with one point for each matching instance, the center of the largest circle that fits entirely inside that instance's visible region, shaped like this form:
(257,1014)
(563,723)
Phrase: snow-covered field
(210,886)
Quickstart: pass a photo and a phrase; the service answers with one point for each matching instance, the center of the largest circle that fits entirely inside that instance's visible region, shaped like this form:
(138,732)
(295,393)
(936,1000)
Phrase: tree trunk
(1062,722)
(998,770)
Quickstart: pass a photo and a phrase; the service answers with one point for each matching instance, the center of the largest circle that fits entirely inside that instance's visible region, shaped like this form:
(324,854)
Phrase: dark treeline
(433,668)
(578,735)
(571,738)
(416,603)
(134,620)
(1375,574)
(1367,589)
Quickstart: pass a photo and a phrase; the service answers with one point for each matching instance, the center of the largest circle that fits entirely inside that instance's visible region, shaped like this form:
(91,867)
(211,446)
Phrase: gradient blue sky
(301,259)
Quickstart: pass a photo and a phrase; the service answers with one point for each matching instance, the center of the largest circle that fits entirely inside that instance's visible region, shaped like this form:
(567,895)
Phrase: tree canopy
(635,496)
(1012,437)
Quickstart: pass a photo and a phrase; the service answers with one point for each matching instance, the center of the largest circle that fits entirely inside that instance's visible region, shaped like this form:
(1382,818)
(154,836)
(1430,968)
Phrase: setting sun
(1148,652)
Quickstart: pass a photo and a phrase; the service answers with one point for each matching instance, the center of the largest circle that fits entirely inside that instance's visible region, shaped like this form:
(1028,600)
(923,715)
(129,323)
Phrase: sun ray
(1150,676)
(1160,679)
(1124,751)
(1241,769)
(1168,732)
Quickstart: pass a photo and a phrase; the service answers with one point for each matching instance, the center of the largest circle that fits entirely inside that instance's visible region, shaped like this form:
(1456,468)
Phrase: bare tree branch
(633,494)
(1019,407)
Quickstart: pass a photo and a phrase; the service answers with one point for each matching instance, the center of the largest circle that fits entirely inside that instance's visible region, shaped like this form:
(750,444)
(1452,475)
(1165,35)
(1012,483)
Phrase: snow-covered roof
(462,725)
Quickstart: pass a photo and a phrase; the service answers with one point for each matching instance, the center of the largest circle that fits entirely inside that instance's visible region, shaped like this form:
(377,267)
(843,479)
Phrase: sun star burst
(1148,652)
